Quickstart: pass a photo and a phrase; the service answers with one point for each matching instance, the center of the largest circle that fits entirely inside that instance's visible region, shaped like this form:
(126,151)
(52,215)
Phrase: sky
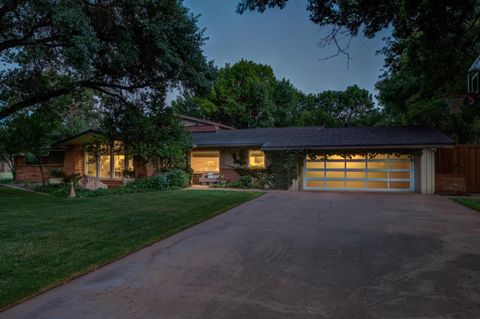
(289,42)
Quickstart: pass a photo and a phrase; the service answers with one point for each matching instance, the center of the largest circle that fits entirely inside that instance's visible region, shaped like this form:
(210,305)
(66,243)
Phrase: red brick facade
(229,174)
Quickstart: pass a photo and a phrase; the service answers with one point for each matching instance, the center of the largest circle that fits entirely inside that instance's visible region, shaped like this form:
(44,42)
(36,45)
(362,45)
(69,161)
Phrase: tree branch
(32,101)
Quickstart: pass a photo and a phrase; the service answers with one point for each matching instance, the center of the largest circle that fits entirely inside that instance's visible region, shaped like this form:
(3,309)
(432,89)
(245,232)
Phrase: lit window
(256,159)
(205,161)
(110,163)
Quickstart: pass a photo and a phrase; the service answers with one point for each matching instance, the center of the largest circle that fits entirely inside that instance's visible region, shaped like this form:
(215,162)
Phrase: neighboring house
(214,147)
(4,167)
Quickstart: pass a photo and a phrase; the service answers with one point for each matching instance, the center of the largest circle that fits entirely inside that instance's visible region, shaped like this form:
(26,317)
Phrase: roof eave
(367,147)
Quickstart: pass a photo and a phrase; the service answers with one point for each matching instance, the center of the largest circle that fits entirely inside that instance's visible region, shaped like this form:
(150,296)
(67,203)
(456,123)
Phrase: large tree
(153,133)
(353,107)
(431,46)
(245,95)
(118,48)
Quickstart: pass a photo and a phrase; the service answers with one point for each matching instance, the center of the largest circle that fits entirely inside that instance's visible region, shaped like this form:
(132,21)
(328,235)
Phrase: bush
(59,190)
(57,173)
(174,179)
(246,181)
(178,178)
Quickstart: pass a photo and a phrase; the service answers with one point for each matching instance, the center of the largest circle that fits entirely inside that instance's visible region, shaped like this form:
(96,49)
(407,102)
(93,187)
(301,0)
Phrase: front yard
(45,240)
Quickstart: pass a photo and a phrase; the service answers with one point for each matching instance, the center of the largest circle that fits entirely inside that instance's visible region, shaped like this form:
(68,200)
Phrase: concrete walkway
(293,255)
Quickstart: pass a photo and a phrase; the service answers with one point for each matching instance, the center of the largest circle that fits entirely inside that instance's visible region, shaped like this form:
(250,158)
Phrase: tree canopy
(132,51)
(248,95)
(432,44)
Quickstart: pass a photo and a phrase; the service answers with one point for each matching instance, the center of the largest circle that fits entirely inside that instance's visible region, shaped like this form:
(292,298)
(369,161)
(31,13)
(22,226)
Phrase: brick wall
(32,172)
(229,174)
(73,161)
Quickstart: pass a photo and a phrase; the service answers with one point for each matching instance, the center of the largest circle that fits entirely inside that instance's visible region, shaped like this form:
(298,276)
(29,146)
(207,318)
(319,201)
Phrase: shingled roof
(323,138)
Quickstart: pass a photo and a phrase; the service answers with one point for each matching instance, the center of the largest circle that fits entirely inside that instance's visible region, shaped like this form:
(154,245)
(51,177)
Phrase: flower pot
(55,180)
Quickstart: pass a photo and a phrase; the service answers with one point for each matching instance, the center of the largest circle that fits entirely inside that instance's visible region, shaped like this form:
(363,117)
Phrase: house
(393,159)
(69,156)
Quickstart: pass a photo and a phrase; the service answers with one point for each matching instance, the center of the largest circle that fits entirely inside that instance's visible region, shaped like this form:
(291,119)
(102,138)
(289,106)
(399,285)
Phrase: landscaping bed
(46,240)
(171,180)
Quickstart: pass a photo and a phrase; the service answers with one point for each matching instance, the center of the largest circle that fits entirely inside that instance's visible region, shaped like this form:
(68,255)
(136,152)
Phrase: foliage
(127,50)
(246,181)
(286,167)
(353,107)
(47,241)
(148,133)
(244,95)
(29,133)
(237,100)
(6,180)
(57,173)
(370,153)
(431,47)
(178,178)
(174,179)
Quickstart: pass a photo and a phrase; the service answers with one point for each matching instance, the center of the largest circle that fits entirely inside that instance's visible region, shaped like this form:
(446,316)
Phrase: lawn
(473,203)
(46,240)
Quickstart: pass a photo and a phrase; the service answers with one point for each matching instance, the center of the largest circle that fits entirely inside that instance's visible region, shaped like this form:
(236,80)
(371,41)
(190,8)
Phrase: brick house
(216,150)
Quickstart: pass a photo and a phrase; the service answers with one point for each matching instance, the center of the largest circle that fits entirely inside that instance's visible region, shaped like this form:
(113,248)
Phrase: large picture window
(205,161)
(109,164)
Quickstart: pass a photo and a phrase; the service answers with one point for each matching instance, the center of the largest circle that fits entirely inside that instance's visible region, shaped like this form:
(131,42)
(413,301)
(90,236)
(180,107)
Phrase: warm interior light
(256,159)
(205,161)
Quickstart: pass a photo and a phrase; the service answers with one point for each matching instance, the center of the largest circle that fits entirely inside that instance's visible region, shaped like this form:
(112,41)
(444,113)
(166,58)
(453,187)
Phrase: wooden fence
(463,160)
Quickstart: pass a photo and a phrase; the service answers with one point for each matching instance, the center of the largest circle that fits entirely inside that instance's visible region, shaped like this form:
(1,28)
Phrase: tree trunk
(40,166)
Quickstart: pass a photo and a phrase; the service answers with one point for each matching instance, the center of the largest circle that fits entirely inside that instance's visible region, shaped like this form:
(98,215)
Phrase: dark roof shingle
(318,137)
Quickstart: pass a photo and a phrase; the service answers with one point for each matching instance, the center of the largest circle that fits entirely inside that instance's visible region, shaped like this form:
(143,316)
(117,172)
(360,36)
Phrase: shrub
(57,173)
(246,181)
(172,180)
(178,178)
(59,190)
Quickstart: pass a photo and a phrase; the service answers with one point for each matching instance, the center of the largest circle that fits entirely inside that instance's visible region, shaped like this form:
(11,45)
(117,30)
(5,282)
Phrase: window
(205,161)
(110,163)
(256,159)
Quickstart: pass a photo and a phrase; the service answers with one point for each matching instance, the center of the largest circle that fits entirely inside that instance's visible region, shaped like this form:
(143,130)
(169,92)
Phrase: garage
(382,172)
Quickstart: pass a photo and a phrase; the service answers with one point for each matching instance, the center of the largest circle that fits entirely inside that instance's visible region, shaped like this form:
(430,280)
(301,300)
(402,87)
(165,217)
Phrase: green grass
(6,175)
(47,240)
(5,178)
(469,202)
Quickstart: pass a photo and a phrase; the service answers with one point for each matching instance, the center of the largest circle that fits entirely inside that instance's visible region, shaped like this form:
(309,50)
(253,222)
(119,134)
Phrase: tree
(353,107)
(427,57)
(30,133)
(150,133)
(121,49)
(244,95)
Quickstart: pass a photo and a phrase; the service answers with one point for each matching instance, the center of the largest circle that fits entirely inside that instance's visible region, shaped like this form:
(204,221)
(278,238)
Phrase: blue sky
(288,41)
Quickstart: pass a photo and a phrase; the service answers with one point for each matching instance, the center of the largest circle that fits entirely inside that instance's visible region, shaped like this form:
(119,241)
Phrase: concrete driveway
(293,255)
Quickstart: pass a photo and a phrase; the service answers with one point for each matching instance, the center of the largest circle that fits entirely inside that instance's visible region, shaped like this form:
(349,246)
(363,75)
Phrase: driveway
(293,255)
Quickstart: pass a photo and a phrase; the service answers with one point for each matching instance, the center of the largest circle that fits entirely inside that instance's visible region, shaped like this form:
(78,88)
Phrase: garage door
(382,173)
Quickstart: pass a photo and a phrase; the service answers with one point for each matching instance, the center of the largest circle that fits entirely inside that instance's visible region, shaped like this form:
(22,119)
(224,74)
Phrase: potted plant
(56,176)
(128,176)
